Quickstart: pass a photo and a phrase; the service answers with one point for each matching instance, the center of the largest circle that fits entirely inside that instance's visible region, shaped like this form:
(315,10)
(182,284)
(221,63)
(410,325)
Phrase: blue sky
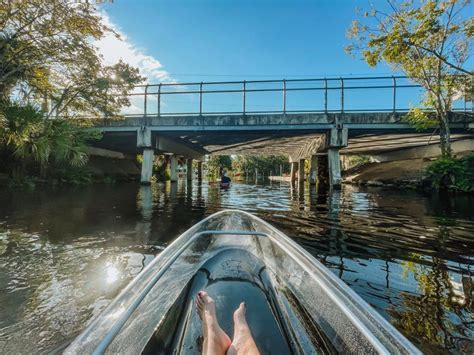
(221,40)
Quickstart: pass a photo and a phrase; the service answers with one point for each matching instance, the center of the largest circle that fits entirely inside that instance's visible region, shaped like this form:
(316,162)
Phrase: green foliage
(27,140)
(452,173)
(420,119)
(17,123)
(47,56)
(429,41)
(28,182)
(264,164)
(160,168)
(215,162)
(354,161)
(50,66)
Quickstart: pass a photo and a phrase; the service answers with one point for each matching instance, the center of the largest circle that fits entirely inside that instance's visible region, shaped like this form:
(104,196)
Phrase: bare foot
(216,341)
(243,342)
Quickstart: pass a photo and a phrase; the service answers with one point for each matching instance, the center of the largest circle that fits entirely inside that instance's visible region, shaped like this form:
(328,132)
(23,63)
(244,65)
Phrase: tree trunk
(445,136)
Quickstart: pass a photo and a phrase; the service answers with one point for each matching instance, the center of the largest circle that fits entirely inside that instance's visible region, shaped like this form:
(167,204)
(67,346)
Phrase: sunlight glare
(112,274)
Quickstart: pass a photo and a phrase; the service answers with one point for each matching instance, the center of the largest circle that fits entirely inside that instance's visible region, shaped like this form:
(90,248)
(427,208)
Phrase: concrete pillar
(301,171)
(173,168)
(199,168)
(294,168)
(337,138)
(147,165)
(144,142)
(334,165)
(189,169)
(313,170)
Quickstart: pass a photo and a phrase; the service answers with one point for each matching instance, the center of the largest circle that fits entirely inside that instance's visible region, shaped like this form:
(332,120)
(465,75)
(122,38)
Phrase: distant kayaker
(224,178)
(216,341)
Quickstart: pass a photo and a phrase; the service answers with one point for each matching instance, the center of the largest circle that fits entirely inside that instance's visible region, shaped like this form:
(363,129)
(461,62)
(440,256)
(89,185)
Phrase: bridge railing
(319,95)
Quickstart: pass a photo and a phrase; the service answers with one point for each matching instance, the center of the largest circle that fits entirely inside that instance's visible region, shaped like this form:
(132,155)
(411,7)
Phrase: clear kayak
(295,305)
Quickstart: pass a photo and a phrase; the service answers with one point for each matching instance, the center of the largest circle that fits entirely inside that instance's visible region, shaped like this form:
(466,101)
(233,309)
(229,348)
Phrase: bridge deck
(277,133)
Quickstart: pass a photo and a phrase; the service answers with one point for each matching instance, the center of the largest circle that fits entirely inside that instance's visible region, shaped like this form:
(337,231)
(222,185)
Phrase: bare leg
(243,342)
(216,341)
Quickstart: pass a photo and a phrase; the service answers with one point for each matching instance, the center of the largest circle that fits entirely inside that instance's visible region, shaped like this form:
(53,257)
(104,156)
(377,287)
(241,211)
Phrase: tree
(47,52)
(430,42)
(215,162)
(264,164)
(95,91)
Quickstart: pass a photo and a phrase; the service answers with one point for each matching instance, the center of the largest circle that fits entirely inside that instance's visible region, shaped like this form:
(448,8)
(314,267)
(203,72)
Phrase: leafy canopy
(430,41)
(47,52)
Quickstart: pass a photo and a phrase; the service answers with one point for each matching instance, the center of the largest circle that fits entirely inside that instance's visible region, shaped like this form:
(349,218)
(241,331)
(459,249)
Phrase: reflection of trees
(440,316)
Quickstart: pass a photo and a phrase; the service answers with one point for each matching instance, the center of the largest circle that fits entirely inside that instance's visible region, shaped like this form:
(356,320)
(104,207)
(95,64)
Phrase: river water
(66,252)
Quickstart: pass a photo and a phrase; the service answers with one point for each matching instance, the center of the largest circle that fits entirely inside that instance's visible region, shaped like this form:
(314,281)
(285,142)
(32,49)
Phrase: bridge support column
(189,169)
(199,170)
(301,171)
(294,167)
(313,170)
(336,139)
(147,165)
(144,141)
(173,168)
(334,165)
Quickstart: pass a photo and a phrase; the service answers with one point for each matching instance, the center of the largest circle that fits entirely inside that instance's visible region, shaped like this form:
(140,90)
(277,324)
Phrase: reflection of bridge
(343,116)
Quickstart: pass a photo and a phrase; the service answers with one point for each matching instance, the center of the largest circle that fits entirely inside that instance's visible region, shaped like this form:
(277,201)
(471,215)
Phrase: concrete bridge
(321,134)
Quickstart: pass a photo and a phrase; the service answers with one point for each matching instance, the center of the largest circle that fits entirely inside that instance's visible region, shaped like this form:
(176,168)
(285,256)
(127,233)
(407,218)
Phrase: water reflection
(64,253)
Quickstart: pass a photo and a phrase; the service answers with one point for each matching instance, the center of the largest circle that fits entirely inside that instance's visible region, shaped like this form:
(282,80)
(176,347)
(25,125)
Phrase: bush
(33,145)
(451,173)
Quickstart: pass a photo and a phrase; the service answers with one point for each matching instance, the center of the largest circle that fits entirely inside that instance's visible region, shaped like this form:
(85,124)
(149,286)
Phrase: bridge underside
(298,136)
(297,144)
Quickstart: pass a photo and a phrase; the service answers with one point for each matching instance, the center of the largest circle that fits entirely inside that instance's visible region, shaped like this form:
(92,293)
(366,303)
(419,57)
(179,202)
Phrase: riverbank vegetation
(33,146)
(241,165)
(51,76)
(261,165)
(451,173)
(214,163)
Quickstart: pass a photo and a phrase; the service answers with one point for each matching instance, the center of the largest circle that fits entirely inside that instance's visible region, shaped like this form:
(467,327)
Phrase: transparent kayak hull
(294,303)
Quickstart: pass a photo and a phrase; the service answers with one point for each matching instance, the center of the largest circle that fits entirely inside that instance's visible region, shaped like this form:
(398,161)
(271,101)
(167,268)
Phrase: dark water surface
(66,252)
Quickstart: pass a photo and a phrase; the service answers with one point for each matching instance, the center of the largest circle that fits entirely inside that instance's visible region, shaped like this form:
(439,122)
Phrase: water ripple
(65,253)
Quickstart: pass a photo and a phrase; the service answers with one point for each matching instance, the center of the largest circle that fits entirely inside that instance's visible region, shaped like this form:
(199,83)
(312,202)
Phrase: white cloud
(113,49)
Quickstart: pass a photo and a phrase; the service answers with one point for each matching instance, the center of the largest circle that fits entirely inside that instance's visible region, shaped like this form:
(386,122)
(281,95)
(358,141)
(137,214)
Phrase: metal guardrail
(340,85)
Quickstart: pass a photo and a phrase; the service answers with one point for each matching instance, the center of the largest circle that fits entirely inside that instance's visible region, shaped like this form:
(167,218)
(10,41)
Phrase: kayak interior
(294,304)
(230,277)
